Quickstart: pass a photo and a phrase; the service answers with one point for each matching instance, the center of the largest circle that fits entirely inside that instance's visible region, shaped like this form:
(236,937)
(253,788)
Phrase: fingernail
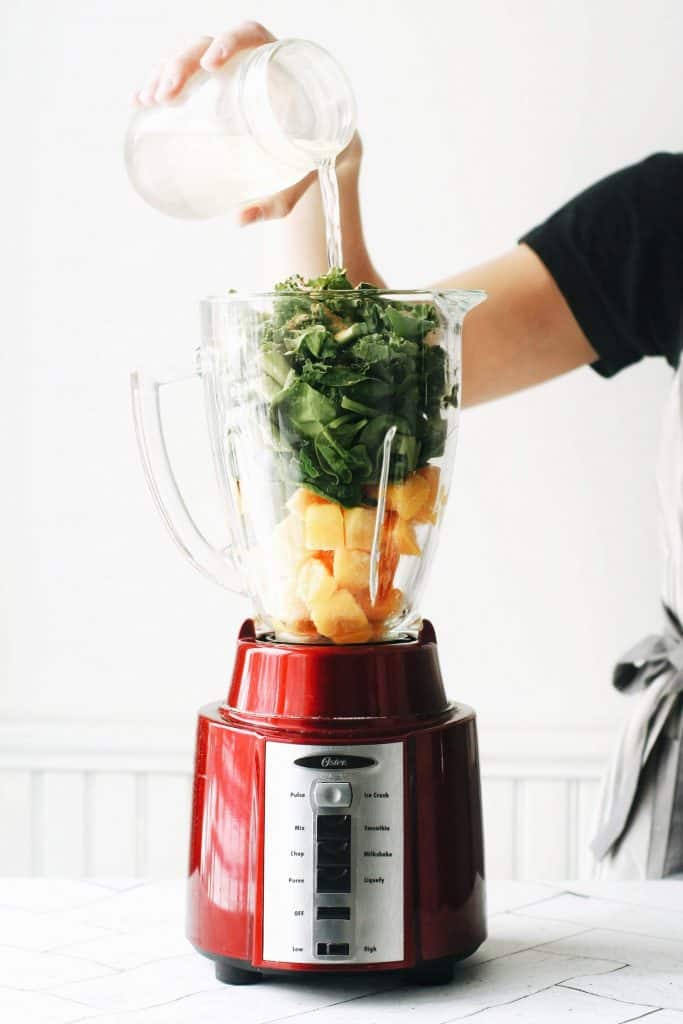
(251,214)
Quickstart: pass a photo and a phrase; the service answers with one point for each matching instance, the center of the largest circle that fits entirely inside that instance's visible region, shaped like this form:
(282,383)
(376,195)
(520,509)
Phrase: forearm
(523,334)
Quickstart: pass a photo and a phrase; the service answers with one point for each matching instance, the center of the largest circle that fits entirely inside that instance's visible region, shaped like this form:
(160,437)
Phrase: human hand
(168,79)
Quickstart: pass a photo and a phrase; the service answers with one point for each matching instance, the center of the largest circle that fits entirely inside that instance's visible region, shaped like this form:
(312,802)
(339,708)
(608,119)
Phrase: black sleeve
(616,254)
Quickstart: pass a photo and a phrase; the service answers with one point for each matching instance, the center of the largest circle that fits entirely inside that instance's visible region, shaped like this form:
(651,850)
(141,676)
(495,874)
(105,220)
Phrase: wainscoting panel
(101,801)
(59,823)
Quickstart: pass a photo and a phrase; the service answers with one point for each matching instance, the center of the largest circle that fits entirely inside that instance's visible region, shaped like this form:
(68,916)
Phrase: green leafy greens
(339,367)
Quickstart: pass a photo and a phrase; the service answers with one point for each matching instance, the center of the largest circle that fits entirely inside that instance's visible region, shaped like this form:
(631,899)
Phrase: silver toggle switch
(332,794)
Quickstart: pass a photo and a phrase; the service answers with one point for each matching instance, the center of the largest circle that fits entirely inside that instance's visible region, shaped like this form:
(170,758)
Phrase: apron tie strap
(653,671)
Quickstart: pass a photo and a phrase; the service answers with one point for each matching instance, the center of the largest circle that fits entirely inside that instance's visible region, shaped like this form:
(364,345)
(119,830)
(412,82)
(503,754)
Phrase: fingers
(145,96)
(180,68)
(167,80)
(276,206)
(227,44)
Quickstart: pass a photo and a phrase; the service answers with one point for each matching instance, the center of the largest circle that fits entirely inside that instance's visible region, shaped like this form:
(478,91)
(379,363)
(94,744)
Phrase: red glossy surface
(444,889)
(449,896)
(280,682)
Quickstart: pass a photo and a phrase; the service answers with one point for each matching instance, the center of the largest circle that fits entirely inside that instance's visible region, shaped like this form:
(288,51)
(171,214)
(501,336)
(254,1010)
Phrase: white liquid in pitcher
(203,172)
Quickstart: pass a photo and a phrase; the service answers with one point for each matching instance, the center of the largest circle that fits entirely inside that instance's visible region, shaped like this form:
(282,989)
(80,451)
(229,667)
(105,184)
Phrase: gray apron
(640,815)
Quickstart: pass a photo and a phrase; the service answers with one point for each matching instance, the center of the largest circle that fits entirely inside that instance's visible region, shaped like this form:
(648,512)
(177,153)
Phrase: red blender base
(336,822)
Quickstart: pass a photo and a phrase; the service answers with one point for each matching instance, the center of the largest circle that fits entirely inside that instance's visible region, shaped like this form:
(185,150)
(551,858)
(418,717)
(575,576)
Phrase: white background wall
(478,119)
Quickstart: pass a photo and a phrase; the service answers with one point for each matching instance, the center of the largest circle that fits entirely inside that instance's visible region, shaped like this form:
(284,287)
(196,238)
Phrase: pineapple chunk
(323,527)
(326,557)
(408,498)
(314,582)
(361,636)
(287,546)
(404,536)
(359,527)
(390,604)
(351,568)
(297,627)
(341,618)
(302,499)
(427,512)
(284,602)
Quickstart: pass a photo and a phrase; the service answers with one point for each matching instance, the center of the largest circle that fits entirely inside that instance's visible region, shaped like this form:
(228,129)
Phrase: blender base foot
(230,975)
(434,972)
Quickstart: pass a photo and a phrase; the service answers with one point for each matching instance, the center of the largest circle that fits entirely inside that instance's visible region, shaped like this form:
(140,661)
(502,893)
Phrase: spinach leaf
(301,409)
(339,367)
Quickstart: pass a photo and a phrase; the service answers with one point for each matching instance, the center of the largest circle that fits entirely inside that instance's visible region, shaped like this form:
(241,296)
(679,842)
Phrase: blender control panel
(333,854)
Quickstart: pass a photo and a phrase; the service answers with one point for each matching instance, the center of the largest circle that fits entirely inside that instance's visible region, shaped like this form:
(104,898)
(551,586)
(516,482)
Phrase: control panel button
(334,851)
(332,794)
(333,913)
(334,879)
(333,826)
(338,949)
(321,949)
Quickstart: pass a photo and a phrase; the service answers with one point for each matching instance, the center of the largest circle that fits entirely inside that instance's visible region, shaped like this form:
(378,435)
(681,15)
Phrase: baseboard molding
(134,746)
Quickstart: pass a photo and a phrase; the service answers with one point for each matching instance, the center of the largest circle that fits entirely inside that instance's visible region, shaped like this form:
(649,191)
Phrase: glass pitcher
(250,129)
(332,421)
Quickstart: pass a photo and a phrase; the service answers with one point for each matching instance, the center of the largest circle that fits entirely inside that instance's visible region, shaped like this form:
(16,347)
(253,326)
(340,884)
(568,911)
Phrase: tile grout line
(329,1006)
(532,903)
(609,899)
(581,956)
(614,999)
(530,995)
(599,927)
(641,1016)
(538,947)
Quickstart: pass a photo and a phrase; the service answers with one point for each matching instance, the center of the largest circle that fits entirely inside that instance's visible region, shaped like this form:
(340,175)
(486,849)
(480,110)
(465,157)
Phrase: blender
(336,821)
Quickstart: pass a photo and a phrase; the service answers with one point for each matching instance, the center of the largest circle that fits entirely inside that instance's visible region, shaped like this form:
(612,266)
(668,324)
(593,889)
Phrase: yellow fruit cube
(359,527)
(390,604)
(302,498)
(404,536)
(427,512)
(323,527)
(283,601)
(351,568)
(287,546)
(297,628)
(341,618)
(361,636)
(314,582)
(408,498)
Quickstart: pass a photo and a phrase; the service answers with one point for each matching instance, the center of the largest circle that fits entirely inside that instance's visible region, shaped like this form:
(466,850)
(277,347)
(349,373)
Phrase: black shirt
(616,254)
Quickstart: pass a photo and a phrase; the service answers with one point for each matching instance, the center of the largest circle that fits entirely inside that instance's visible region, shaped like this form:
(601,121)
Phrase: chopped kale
(340,366)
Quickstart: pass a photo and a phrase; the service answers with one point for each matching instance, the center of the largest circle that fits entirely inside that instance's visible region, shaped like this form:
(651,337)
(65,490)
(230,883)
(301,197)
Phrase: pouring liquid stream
(329,190)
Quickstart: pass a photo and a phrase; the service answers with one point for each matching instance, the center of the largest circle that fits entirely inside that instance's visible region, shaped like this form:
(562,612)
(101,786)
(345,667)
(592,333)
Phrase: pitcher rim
(241,295)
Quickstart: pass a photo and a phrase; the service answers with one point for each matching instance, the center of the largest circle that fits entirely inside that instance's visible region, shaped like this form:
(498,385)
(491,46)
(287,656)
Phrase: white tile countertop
(114,951)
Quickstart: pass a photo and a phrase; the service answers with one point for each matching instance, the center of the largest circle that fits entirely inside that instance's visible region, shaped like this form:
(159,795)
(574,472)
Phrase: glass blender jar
(332,419)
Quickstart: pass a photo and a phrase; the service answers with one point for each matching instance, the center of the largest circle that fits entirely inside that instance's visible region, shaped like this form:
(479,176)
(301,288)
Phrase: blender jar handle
(218,564)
